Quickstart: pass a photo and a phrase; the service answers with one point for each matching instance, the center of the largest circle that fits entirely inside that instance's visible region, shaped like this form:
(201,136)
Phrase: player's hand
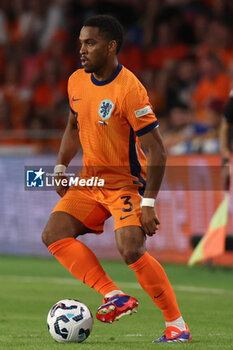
(225,175)
(149,221)
(61,186)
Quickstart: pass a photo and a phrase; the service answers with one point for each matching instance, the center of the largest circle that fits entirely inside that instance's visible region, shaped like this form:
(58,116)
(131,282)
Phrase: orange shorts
(93,207)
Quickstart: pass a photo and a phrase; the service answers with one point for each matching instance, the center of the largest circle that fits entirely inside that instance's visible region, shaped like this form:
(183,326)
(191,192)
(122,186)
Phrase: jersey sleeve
(229,109)
(138,111)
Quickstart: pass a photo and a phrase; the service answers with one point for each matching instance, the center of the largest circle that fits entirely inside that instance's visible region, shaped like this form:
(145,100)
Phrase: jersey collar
(109,80)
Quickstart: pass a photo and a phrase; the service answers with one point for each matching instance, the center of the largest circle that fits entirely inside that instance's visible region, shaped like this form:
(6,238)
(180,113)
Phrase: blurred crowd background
(181,50)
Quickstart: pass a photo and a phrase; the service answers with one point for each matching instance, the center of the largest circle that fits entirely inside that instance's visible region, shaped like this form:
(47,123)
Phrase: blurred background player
(225,142)
(111,117)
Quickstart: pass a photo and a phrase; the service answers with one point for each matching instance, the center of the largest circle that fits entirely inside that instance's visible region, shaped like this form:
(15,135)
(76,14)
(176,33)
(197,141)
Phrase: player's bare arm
(156,160)
(70,145)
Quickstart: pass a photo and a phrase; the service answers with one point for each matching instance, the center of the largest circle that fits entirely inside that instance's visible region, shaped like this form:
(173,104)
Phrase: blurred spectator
(58,51)
(5,112)
(16,95)
(178,134)
(225,138)
(167,47)
(3,24)
(217,40)
(181,88)
(32,20)
(49,91)
(185,135)
(209,141)
(214,84)
(54,20)
(156,83)
(200,27)
(182,130)
(30,61)
(230,73)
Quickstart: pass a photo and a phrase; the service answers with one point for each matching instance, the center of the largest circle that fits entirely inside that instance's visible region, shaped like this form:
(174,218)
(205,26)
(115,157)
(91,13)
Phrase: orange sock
(82,264)
(154,281)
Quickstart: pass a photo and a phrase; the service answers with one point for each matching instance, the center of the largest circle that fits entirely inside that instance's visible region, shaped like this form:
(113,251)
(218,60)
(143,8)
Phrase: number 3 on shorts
(127,204)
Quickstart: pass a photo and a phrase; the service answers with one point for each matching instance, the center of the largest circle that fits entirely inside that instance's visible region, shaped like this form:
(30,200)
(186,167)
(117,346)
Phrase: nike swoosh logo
(76,99)
(124,217)
(157,296)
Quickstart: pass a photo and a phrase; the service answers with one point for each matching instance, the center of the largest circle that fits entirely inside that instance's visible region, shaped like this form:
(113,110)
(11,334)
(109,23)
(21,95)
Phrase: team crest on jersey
(105,109)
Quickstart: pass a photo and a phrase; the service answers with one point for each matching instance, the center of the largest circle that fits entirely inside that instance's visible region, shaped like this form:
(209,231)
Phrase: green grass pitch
(30,286)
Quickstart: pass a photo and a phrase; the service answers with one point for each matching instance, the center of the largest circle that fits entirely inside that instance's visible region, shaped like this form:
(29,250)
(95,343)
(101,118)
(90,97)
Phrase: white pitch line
(122,335)
(181,288)
(133,285)
(203,290)
(37,279)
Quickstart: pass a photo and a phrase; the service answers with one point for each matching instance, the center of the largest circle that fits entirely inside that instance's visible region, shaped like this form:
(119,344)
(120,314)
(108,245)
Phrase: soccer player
(111,118)
(225,142)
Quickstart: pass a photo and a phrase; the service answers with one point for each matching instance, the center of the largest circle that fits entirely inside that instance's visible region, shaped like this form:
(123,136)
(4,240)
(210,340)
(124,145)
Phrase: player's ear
(112,46)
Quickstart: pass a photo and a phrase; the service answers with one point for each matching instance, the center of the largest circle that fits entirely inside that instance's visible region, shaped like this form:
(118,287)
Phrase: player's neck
(107,71)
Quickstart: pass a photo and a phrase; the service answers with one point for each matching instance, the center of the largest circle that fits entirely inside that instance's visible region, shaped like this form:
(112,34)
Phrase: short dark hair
(108,25)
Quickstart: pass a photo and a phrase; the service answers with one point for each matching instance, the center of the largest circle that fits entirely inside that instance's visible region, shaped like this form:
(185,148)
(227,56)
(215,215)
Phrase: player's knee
(130,254)
(48,237)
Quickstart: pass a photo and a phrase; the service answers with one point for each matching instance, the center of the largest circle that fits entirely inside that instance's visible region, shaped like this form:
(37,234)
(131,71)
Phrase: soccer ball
(69,321)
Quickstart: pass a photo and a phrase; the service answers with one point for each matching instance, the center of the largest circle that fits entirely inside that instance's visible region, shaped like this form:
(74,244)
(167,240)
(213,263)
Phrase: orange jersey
(111,115)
